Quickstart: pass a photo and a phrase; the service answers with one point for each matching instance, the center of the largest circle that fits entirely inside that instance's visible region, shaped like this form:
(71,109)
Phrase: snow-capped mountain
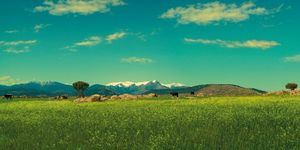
(175,85)
(50,88)
(135,87)
(130,83)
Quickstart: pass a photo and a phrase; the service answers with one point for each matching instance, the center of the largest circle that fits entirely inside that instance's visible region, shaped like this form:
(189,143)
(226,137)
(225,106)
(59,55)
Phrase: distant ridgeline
(56,88)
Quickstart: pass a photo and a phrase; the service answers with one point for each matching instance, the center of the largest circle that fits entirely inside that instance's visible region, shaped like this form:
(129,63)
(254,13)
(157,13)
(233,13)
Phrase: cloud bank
(8,80)
(37,28)
(136,60)
(17,47)
(81,7)
(214,12)
(11,31)
(295,58)
(88,42)
(115,36)
(236,44)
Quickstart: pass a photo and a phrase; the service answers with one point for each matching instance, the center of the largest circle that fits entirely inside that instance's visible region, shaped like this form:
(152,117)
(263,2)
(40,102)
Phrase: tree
(80,87)
(291,86)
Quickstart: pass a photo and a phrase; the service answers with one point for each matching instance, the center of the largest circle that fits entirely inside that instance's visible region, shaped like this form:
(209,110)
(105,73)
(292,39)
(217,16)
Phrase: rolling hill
(117,88)
(212,90)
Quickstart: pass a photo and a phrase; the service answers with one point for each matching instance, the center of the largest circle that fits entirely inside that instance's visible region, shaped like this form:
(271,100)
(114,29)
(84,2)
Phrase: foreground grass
(204,123)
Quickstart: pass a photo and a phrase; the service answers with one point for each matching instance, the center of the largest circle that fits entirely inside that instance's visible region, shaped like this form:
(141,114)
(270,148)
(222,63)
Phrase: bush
(80,87)
(291,86)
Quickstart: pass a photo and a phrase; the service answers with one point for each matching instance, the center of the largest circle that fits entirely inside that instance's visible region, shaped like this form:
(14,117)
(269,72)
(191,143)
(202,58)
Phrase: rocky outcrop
(127,96)
(282,93)
(151,95)
(93,98)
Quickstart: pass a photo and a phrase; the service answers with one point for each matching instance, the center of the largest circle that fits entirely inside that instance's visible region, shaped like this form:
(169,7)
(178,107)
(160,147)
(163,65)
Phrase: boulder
(115,97)
(200,95)
(127,96)
(151,95)
(93,98)
(279,93)
(282,93)
(295,92)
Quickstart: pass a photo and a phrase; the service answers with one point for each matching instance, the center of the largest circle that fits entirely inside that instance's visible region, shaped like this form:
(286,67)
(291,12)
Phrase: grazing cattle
(8,96)
(61,97)
(175,94)
(192,93)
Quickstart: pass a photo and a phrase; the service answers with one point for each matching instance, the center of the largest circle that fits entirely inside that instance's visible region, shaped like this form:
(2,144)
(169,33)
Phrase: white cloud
(17,47)
(91,41)
(214,12)
(16,43)
(140,36)
(82,7)
(115,36)
(136,60)
(37,28)
(7,80)
(88,42)
(236,44)
(17,51)
(11,31)
(295,58)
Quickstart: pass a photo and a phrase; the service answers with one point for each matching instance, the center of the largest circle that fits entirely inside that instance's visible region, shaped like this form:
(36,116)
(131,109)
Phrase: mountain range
(116,88)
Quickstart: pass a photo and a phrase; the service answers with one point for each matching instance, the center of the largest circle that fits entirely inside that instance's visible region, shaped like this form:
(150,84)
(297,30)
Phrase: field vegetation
(261,122)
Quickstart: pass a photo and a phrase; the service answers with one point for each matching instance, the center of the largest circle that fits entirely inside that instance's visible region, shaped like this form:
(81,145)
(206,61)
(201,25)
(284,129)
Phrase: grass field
(203,123)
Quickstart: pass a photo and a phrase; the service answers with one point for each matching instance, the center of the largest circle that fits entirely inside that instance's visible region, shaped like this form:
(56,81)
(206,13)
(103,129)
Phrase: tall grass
(203,123)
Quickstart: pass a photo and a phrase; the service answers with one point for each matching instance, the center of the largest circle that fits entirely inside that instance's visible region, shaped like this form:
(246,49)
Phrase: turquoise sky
(248,43)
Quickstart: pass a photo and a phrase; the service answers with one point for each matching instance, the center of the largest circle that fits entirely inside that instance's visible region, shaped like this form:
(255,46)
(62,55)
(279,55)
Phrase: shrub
(291,86)
(80,87)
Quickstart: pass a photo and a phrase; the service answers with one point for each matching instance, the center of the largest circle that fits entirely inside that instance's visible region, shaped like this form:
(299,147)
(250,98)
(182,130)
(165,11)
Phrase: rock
(282,93)
(279,93)
(115,97)
(295,92)
(151,95)
(104,98)
(139,96)
(93,98)
(127,97)
(200,94)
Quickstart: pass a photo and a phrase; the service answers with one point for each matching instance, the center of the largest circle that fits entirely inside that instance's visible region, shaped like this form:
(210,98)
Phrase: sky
(249,43)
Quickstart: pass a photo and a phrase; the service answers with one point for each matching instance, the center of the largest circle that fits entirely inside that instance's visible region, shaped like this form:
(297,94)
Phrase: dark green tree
(80,87)
(291,86)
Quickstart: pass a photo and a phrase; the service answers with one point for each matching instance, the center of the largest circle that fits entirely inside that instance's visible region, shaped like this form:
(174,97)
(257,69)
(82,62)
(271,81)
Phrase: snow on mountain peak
(126,83)
(130,83)
(171,85)
(43,83)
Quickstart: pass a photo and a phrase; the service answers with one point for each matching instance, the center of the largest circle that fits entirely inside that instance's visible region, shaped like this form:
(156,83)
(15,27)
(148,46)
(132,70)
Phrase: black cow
(61,97)
(192,93)
(8,96)
(174,94)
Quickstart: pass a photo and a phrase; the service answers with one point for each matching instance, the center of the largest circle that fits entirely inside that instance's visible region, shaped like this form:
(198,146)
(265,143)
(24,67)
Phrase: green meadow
(163,123)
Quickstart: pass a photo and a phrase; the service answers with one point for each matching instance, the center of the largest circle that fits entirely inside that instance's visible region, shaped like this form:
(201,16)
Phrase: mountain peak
(174,85)
(130,83)
(121,84)
(43,83)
